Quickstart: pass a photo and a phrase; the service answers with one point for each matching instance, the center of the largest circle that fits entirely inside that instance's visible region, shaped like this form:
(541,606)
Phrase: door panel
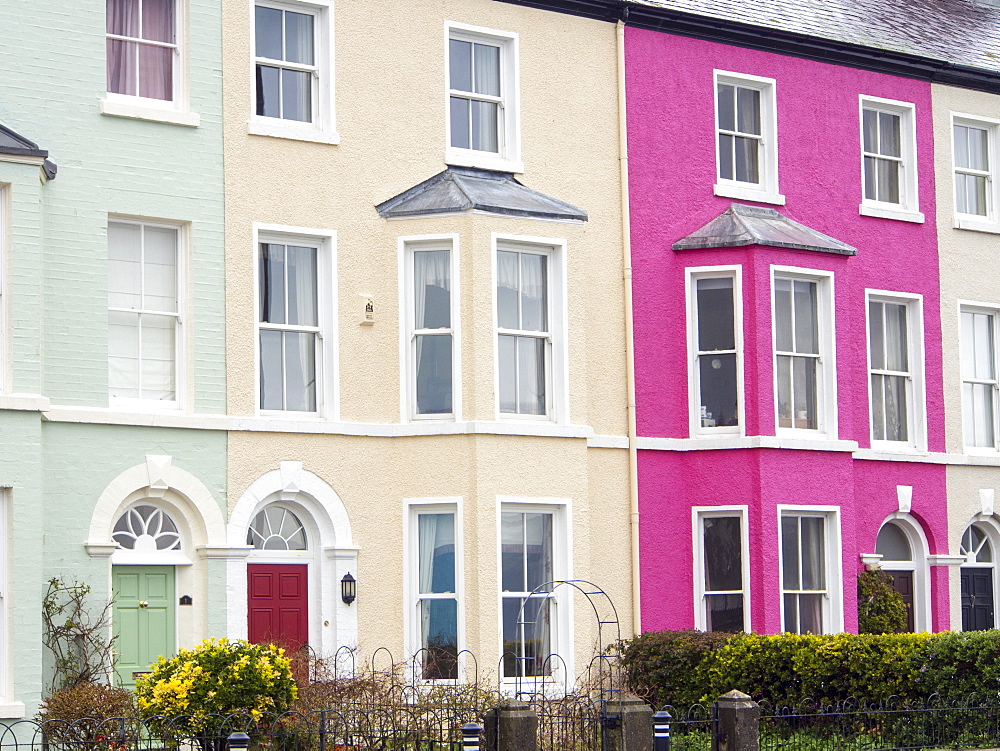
(144,617)
(278,604)
(902,582)
(977,599)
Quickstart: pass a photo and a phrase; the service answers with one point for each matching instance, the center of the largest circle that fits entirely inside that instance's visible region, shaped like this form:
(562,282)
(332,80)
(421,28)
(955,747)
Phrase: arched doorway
(977,576)
(904,558)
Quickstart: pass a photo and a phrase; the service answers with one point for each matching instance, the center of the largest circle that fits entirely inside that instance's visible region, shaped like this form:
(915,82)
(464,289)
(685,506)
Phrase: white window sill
(819,443)
(888,211)
(145,407)
(25,402)
(137,111)
(747,193)
(291,130)
(895,447)
(482,160)
(11,710)
(977,224)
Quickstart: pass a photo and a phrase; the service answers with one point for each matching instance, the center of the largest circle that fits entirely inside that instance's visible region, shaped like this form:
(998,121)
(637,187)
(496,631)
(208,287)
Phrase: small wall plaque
(367,310)
(186,600)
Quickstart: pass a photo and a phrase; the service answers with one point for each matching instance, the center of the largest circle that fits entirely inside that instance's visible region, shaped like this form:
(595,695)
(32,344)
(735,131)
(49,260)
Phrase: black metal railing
(688,729)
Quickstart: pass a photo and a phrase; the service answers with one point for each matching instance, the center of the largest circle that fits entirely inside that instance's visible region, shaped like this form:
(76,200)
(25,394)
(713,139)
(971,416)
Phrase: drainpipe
(633,456)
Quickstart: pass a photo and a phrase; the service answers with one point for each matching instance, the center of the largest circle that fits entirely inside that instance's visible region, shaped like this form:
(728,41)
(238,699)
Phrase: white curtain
(156,64)
(435,532)
(486,115)
(122,18)
(430,269)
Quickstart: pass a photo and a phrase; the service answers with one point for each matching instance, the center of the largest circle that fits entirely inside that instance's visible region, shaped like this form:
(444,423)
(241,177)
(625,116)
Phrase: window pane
(534,298)
(432,289)
(982,411)
(723,554)
(301,271)
(869,130)
(507,368)
(716,329)
(122,67)
(804,390)
(979,149)
(158,351)
(895,409)
(299,38)
(727,106)
(806,323)
(434,374)
(300,372)
(272,283)
(487,69)
(876,335)
(267,31)
(878,407)
(439,638)
(961,135)
(122,17)
(962,197)
(888,132)
(527,641)
(158,20)
(271,371)
(892,544)
(783,314)
(156,72)
(983,345)
(460,122)
(485,120)
(296,95)
(813,553)
(968,344)
(124,267)
(717,387)
(896,338)
(790,552)
(538,550)
(512,578)
(748,110)
(747,157)
(437,553)
(726,169)
(784,380)
(123,355)
(460,65)
(871,192)
(791,619)
(531,375)
(810,614)
(724,613)
(887,174)
(160,269)
(268,91)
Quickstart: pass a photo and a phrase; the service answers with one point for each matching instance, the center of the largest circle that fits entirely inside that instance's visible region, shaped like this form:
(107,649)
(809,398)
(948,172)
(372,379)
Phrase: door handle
(143,604)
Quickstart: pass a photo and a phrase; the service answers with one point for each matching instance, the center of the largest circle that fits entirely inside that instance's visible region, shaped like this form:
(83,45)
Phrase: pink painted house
(787,337)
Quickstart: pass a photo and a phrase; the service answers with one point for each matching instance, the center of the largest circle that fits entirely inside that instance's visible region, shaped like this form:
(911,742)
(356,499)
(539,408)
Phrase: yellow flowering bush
(217,677)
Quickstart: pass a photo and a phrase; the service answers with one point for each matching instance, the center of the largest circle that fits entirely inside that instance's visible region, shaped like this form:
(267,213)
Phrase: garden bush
(87,712)
(881,609)
(682,668)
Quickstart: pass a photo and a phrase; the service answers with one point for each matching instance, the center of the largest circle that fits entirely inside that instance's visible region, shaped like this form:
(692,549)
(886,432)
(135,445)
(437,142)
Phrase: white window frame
(176,110)
(993,310)
(562,671)
(698,516)
(766,191)
(990,222)
(322,129)
(327,360)
(920,566)
(509,126)
(5,338)
(412,508)
(833,597)
(180,332)
(691,277)
(916,407)
(826,385)
(408,397)
(908,209)
(557,357)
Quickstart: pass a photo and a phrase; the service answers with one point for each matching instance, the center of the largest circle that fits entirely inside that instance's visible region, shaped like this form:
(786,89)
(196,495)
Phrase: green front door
(143,617)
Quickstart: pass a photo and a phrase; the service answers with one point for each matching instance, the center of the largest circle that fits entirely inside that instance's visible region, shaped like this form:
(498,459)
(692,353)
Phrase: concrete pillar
(629,726)
(513,727)
(739,723)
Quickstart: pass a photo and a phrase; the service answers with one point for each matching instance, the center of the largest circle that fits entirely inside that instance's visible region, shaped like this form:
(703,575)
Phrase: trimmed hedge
(681,668)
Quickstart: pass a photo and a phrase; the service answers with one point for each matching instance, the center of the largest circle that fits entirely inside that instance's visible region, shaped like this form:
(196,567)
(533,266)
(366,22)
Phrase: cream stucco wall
(967,259)
(390,117)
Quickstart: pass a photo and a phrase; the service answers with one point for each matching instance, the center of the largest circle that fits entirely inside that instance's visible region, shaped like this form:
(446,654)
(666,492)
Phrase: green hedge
(682,668)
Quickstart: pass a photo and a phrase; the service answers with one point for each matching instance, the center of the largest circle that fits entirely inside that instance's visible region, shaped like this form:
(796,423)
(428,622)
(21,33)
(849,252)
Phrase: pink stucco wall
(671,131)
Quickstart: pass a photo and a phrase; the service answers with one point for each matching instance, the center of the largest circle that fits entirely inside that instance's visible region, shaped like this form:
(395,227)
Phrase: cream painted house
(425,330)
(967,136)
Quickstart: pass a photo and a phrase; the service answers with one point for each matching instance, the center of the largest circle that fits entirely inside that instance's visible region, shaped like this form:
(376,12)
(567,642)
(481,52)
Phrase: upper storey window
(975,180)
(980,383)
(714,343)
(482,99)
(895,372)
(293,71)
(889,160)
(142,48)
(746,138)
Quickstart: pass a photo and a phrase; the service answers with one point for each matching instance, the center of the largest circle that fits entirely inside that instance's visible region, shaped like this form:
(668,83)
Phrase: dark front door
(902,582)
(977,599)
(278,604)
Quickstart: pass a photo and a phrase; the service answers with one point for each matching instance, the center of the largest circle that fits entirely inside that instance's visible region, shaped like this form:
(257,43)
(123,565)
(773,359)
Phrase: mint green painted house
(112,351)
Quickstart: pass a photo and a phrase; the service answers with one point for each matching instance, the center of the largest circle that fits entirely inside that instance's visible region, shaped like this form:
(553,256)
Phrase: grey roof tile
(17,145)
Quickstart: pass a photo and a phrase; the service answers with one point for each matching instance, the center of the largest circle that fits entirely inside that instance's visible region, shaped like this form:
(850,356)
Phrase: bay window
(714,304)
(810,570)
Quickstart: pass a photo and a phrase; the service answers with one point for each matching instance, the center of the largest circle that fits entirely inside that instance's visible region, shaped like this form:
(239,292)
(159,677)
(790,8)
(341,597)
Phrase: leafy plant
(88,712)
(218,677)
(881,609)
(78,637)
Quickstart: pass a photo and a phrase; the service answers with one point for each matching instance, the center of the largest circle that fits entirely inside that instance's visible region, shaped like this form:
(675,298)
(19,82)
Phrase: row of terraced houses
(354,324)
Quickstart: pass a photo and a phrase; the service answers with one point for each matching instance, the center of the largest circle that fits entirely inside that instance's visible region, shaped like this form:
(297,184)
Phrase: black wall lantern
(348,589)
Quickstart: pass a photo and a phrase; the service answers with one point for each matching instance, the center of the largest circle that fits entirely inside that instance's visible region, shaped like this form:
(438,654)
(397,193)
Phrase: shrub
(79,713)
(663,667)
(218,677)
(881,609)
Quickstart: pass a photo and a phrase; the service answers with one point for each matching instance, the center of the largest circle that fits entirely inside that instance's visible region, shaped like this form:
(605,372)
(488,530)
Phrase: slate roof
(754,225)
(461,189)
(957,31)
(18,145)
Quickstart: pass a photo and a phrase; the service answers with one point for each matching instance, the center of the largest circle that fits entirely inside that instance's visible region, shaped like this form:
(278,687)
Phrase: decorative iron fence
(691,729)
(891,724)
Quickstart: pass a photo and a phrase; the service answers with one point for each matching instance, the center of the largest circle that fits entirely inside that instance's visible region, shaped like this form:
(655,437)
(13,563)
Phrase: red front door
(277,604)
